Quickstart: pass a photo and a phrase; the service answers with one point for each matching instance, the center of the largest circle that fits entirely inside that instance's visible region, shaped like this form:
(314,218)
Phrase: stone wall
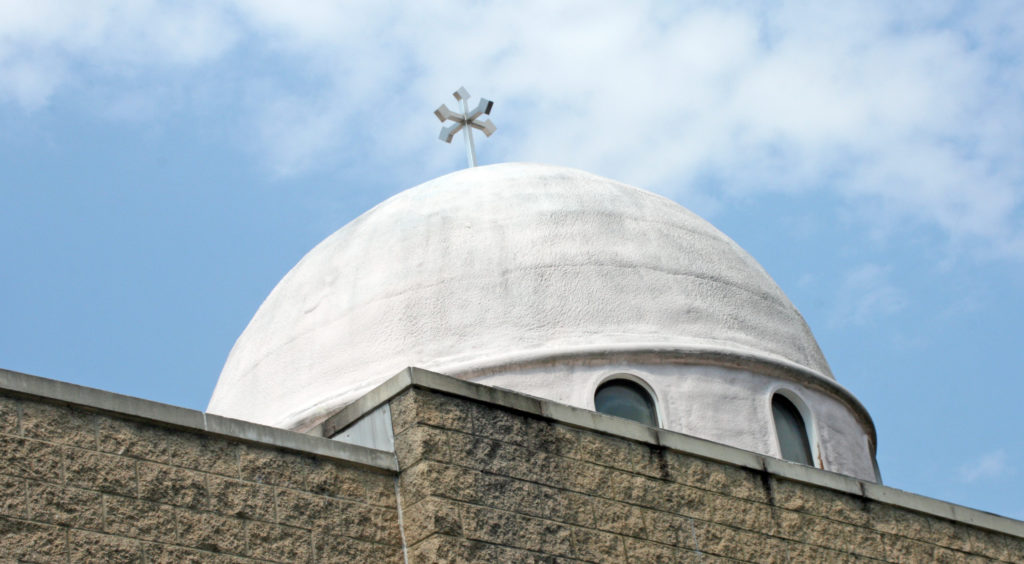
(481,483)
(80,485)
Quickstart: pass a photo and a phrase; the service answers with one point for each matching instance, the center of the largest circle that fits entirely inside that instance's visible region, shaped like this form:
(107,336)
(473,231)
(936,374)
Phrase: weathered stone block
(279,542)
(649,552)
(442,549)
(902,549)
(331,547)
(241,499)
(274,467)
(23,541)
(13,493)
(30,459)
(58,424)
(8,416)
(168,554)
(380,488)
(421,442)
(718,477)
(334,479)
(826,533)
(509,529)
(366,522)
(211,532)
(109,549)
(300,509)
(65,506)
(820,501)
(175,486)
(102,472)
(597,546)
(431,515)
(139,519)
(667,528)
(623,454)
(620,518)
(418,406)
(433,478)
(173,447)
(740,513)
(738,544)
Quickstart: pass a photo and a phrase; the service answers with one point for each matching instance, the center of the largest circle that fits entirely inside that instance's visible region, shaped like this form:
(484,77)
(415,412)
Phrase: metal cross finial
(464,119)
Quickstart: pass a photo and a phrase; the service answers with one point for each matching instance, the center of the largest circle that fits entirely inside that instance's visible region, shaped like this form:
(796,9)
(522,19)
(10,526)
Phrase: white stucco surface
(488,270)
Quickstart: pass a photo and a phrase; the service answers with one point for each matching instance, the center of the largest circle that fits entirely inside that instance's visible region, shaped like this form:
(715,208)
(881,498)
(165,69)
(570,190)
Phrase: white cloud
(866,295)
(989,466)
(910,111)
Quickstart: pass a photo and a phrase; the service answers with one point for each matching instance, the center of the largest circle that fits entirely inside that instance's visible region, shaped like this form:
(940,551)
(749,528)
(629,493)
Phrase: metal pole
(467,133)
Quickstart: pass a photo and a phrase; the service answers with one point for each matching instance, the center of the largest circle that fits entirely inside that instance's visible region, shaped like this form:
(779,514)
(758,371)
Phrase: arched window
(626,399)
(791,430)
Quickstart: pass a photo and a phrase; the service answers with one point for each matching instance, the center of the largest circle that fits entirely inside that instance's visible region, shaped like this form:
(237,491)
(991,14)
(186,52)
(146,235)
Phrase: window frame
(810,425)
(633,379)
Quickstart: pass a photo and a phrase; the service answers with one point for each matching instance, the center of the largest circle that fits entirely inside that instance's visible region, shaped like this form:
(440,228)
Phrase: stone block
(433,478)
(274,467)
(140,519)
(509,529)
(380,488)
(366,522)
(740,513)
(24,541)
(631,456)
(102,472)
(241,499)
(429,516)
(168,554)
(733,543)
(34,460)
(718,477)
(653,553)
(9,416)
(211,532)
(109,549)
(66,506)
(335,479)
(942,555)
(898,521)
(169,446)
(443,549)
(172,485)
(835,535)
(667,528)
(619,518)
(421,442)
(820,501)
(279,542)
(597,546)
(58,424)
(422,407)
(301,509)
(331,547)
(13,500)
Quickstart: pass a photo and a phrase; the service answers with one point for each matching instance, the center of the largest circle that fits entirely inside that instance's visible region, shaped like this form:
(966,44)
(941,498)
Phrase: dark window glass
(792,431)
(626,399)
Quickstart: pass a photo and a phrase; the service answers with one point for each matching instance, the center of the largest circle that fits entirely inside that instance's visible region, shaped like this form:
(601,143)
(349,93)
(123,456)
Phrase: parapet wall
(477,474)
(490,476)
(154,483)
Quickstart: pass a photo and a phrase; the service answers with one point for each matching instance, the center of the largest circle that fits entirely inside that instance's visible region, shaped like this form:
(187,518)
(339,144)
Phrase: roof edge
(630,430)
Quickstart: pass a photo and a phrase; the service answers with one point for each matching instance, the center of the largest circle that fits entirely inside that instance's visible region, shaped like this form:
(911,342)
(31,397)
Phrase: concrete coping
(615,426)
(53,391)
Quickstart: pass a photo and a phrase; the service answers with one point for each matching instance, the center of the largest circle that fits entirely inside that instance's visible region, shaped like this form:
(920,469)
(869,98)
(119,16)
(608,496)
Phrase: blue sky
(164,164)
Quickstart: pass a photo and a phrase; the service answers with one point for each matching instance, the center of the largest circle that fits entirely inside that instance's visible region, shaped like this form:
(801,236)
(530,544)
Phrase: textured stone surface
(469,494)
(88,487)
(507,491)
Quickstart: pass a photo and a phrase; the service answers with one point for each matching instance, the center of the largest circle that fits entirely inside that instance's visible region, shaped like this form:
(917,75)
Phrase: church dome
(493,267)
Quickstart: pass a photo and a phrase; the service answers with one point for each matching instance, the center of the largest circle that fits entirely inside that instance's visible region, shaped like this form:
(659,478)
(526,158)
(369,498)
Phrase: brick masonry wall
(484,484)
(86,486)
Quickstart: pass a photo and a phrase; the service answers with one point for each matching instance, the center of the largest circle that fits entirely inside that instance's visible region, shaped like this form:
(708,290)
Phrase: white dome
(496,266)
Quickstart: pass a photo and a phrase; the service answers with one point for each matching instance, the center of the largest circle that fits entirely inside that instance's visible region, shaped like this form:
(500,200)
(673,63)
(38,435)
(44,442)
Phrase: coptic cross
(466,121)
